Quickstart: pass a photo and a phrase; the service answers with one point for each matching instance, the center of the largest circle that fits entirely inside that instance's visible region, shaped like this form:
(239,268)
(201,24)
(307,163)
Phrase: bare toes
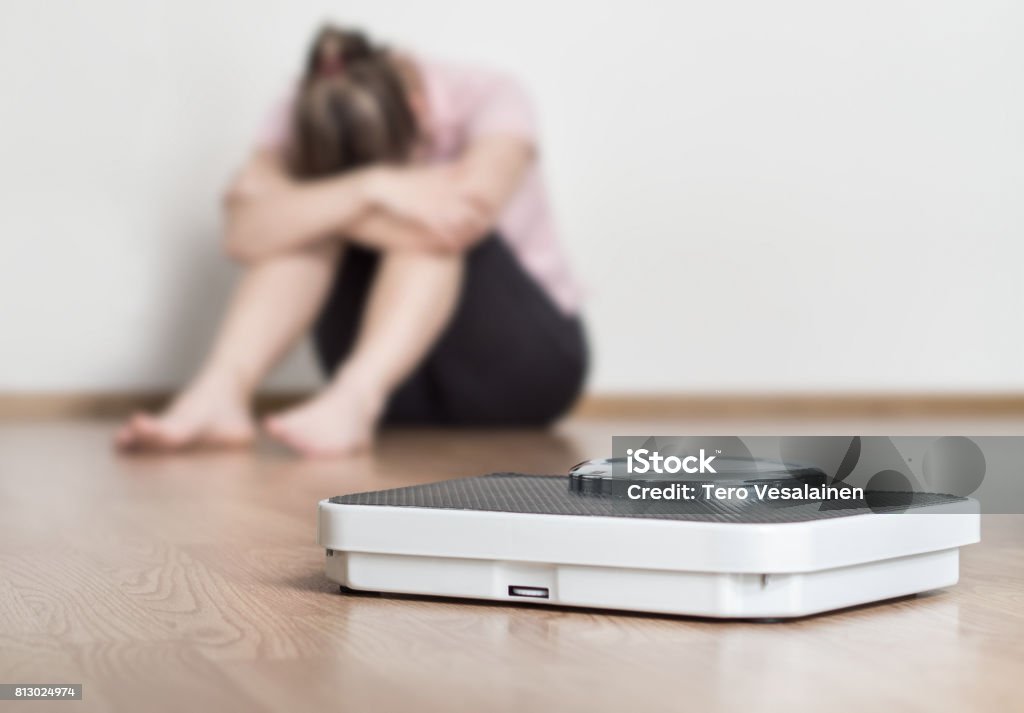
(124,437)
(157,434)
(132,435)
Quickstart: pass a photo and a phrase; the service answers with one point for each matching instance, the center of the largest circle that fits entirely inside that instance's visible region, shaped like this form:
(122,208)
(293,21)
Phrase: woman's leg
(272,307)
(412,299)
(511,357)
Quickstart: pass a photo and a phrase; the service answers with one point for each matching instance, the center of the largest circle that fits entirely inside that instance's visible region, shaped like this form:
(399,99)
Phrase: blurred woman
(393,205)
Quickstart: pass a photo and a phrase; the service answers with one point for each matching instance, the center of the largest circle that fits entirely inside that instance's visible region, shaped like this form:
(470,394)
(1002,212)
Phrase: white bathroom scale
(542,540)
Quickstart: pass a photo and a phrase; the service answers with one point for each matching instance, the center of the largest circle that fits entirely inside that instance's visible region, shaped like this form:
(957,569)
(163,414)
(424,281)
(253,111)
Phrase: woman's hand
(433,198)
(267,212)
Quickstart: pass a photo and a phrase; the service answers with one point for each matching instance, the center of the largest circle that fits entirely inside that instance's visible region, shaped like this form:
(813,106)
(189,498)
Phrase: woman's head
(352,108)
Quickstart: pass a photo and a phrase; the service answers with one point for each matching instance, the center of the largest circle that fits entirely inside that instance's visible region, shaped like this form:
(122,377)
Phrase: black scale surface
(551,495)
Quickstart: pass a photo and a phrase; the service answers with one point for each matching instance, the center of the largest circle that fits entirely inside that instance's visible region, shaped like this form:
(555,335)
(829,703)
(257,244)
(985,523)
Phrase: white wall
(788,195)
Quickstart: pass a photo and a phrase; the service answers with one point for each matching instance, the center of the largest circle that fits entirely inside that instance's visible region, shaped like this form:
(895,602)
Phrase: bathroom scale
(577,541)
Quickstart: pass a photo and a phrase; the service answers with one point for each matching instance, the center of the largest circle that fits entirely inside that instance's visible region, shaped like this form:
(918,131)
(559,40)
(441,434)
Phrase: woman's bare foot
(340,420)
(207,414)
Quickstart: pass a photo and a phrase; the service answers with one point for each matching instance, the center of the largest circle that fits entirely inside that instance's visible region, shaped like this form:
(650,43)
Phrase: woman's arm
(267,212)
(492,169)
(445,208)
(488,174)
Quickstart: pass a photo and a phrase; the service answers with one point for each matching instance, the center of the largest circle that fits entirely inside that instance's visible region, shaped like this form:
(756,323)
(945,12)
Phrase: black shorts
(508,356)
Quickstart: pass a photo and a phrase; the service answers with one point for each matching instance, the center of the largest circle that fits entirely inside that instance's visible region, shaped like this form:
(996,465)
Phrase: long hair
(352,107)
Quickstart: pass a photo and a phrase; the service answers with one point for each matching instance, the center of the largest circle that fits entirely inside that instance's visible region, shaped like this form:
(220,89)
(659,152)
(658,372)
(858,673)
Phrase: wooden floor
(194,583)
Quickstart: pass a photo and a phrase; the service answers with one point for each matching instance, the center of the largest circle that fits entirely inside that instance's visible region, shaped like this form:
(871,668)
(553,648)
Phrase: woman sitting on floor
(395,207)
